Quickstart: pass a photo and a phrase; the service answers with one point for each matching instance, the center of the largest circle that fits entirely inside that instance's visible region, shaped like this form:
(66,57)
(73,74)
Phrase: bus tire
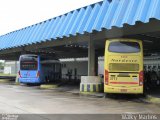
(106,95)
(144,91)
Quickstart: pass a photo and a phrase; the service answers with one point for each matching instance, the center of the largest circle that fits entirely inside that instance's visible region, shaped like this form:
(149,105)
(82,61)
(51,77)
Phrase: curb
(90,87)
(4,80)
(16,83)
(152,99)
(92,94)
(48,86)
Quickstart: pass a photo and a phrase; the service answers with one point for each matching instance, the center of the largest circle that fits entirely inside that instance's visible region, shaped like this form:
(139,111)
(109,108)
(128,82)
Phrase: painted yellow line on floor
(153,99)
(4,80)
(48,86)
(17,83)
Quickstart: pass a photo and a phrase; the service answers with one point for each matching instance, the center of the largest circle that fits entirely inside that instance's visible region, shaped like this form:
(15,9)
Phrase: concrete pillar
(15,67)
(92,82)
(91,57)
(16,71)
(96,64)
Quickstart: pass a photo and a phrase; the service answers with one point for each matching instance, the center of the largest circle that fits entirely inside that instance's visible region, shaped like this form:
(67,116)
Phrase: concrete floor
(32,100)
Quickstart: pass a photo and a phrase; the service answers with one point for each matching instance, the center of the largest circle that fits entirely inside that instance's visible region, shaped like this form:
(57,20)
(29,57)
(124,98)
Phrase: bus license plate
(123,90)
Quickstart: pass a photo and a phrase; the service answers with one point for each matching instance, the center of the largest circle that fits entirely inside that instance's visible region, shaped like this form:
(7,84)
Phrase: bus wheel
(144,91)
(144,94)
(28,84)
(106,95)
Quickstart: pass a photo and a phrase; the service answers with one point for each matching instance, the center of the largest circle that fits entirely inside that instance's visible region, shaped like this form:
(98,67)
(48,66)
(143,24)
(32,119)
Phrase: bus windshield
(124,47)
(29,63)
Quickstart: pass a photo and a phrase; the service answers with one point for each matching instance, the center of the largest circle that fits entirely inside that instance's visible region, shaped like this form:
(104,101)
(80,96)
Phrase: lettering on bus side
(123,60)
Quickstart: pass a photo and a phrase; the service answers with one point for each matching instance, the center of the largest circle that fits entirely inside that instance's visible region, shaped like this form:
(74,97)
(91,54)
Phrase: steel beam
(59,42)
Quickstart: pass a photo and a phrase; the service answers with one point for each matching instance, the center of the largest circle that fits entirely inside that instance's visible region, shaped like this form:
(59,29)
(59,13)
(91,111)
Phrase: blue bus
(38,69)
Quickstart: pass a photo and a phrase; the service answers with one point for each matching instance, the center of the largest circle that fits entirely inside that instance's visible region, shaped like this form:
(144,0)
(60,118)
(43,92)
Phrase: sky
(17,14)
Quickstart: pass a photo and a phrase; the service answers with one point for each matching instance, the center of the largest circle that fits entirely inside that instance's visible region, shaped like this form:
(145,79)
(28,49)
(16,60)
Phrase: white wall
(7,70)
(82,67)
(11,67)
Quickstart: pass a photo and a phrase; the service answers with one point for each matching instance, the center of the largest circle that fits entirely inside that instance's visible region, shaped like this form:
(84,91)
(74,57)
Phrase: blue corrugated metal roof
(98,16)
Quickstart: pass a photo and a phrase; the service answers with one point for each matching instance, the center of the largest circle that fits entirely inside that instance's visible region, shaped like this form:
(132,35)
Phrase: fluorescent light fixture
(148,41)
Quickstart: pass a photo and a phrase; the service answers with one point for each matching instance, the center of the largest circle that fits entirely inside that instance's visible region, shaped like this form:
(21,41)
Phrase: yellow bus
(123,66)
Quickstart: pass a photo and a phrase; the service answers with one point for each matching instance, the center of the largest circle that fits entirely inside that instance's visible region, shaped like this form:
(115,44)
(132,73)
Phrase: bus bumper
(29,80)
(123,90)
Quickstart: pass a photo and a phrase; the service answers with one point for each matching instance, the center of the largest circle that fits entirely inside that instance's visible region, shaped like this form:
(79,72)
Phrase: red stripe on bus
(124,82)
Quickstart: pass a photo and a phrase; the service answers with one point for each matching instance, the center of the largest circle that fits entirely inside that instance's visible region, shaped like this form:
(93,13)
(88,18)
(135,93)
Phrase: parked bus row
(124,71)
(123,67)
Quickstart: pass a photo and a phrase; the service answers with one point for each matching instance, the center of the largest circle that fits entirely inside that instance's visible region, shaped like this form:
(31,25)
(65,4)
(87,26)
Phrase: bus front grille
(123,67)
